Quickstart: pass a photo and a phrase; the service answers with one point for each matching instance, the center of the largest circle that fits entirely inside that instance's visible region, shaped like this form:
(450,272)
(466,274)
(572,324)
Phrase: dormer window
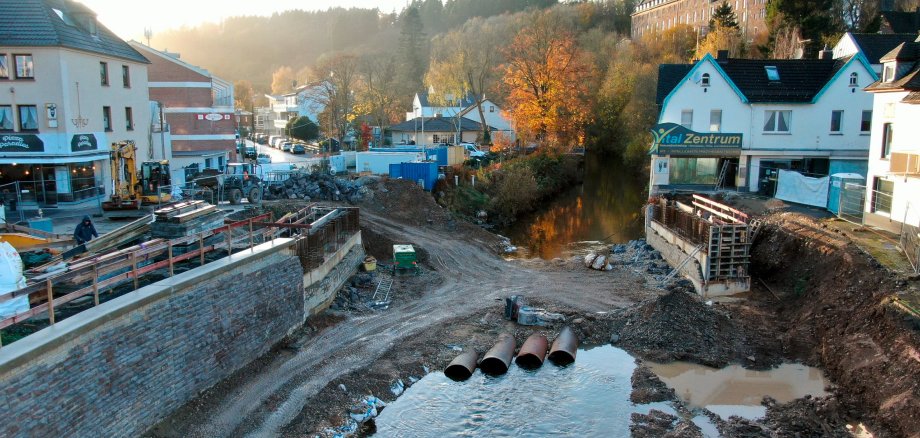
(888,74)
(772,73)
(854,79)
(704,82)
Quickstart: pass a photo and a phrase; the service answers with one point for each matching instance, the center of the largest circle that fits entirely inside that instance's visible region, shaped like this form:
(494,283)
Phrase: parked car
(298,148)
(472,150)
(250,152)
(264,159)
(286,146)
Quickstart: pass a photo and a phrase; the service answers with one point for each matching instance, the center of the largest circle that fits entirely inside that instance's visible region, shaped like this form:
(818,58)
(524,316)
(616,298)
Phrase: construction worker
(85,231)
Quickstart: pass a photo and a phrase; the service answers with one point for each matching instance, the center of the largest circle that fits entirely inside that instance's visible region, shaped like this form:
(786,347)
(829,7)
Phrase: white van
(472,150)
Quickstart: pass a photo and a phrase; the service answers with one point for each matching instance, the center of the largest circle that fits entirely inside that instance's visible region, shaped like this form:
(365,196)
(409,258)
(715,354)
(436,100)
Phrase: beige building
(653,16)
(68,89)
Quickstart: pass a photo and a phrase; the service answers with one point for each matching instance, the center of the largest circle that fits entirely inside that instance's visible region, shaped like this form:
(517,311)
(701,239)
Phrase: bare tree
(332,89)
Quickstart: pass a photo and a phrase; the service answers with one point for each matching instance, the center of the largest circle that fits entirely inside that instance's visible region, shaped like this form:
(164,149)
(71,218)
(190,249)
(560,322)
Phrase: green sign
(674,139)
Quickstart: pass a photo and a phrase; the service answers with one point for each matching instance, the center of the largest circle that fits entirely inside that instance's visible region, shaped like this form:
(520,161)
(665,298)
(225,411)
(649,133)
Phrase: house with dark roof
(430,104)
(872,45)
(893,184)
(435,130)
(736,123)
(70,88)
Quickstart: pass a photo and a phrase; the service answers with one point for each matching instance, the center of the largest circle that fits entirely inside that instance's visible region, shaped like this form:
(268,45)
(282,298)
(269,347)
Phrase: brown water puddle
(734,390)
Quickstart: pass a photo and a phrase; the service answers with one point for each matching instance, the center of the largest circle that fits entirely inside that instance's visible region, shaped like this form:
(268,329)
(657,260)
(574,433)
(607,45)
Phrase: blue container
(442,157)
(43,224)
(426,172)
(396,170)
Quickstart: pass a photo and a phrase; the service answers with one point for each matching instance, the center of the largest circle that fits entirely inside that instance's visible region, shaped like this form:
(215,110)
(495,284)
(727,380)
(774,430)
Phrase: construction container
(455,155)
(379,162)
(838,181)
(396,170)
(425,174)
(337,164)
(404,256)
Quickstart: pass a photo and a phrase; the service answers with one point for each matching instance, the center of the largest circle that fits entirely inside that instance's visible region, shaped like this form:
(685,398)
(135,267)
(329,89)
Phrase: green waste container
(404,256)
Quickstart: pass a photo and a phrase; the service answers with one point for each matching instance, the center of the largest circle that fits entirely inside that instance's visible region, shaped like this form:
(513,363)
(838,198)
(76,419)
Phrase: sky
(128,18)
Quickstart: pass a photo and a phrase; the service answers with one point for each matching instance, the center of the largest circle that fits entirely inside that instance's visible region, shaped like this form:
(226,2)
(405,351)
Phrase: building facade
(434,131)
(893,183)
(198,108)
(70,88)
(652,16)
(738,123)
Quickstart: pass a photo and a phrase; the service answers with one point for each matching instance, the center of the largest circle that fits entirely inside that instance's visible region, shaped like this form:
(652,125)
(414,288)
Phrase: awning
(55,159)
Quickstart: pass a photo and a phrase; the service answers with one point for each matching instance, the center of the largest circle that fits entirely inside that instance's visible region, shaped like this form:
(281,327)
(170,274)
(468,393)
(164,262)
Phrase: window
(129,119)
(772,72)
(6,118)
(866,124)
(686,118)
(4,67)
(836,120)
(107,118)
(28,118)
(888,74)
(491,108)
(776,121)
(854,79)
(125,76)
(694,170)
(715,121)
(24,67)
(104,73)
(881,195)
(704,82)
(887,136)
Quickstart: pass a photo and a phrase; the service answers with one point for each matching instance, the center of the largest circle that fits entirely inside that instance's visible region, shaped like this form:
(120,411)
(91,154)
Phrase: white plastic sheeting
(795,187)
(11,279)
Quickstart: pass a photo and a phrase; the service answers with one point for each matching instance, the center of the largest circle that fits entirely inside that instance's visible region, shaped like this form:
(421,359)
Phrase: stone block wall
(117,369)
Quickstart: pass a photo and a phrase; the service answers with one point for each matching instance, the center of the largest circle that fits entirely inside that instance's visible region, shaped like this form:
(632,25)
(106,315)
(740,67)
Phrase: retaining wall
(117,369)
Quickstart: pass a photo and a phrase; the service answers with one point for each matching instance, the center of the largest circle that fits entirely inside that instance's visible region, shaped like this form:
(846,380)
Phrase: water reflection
(605,209)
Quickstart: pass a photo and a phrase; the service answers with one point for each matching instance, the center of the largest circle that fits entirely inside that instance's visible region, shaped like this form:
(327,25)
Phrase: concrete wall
(117,369)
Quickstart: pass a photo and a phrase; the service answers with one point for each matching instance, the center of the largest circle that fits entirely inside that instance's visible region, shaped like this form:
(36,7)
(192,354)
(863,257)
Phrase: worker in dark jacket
(85,231)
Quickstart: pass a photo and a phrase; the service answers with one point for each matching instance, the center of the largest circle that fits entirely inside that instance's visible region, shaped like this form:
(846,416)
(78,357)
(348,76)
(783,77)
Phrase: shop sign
(214,117)
(674,139)
(21,143)
(83,142)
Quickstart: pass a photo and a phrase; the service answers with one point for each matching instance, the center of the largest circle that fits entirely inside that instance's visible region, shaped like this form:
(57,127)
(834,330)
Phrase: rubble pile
(636,254)
(356,295)
(323,187)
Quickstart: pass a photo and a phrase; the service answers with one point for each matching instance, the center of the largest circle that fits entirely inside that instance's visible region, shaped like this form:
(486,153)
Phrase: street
(279,156)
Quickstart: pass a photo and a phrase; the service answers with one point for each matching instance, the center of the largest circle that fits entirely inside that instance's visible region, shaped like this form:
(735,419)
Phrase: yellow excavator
(130,190)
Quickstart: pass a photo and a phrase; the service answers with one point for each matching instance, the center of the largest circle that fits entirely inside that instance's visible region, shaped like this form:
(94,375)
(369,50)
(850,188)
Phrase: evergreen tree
(413,49)
(723,16)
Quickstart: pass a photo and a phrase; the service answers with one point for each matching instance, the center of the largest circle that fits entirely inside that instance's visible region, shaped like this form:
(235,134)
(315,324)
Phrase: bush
(514,191)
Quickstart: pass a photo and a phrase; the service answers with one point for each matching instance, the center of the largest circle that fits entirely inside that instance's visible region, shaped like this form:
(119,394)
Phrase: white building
(71,88)
(893,183)
(424,106)
(872,45)
(806,115)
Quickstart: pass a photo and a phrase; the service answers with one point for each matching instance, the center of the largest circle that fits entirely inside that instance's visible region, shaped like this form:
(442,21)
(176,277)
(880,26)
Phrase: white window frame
(854,79)
(839,122)
(705,80)
(8,110)
(714,125)
(684,115)
(774,129)
(4,66)
(863,119)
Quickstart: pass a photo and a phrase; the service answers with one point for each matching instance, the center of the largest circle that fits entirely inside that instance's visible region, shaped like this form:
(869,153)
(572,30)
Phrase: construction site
(294,318)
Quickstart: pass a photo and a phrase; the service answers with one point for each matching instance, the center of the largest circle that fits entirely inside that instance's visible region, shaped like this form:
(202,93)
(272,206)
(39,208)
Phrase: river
(605,209)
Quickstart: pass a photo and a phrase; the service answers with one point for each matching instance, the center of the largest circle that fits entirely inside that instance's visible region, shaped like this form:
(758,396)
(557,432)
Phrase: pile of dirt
(677,326)
(408,203)
(661,424)
(835,299)
(648,388)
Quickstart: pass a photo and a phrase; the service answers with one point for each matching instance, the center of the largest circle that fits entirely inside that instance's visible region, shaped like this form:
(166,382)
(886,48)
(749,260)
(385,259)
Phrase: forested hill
(252,47)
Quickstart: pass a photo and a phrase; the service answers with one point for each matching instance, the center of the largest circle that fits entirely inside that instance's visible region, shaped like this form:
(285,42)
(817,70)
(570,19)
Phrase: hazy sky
(128,18)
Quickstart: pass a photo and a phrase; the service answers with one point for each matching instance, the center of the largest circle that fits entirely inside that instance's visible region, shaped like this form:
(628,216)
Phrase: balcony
(905,163)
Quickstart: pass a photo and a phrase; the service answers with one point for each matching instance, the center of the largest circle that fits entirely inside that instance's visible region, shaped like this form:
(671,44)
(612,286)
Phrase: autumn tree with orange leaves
(547,80)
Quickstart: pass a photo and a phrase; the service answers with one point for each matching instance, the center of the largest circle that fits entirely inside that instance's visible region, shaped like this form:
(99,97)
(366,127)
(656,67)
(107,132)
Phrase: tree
(857,15)
(302,128)
(367,135)
(548,84)
(723,16)
(379,92)
(812,18)
(413,48)
(335,82)
(282,80)
(243,94)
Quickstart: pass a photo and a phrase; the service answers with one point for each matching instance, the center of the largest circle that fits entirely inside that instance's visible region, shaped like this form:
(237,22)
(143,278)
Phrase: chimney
(826,53)
(722,54)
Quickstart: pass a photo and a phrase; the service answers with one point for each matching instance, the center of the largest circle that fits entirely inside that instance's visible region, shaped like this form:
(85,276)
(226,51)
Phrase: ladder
(721,182)
(677,268)
(384,286)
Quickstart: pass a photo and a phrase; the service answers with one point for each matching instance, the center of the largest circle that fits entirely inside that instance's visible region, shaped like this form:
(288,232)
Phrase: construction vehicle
(131,191)
(237,180)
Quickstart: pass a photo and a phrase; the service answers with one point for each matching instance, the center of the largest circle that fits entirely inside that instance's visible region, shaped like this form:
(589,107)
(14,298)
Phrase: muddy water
(734,390)
(587,398)
(605,209)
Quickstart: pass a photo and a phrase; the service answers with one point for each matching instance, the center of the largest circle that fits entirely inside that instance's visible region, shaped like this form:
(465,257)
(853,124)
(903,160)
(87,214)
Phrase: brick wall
(118,368)
(182,97)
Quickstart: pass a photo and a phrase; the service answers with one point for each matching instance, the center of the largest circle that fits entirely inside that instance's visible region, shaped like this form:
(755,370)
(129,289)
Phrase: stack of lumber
(182,212)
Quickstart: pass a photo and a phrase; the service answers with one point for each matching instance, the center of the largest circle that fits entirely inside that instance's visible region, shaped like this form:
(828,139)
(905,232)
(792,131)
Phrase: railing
(318,231)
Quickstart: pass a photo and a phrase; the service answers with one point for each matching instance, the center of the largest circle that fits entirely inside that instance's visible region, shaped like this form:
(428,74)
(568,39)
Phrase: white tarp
(11,279)
(795,187)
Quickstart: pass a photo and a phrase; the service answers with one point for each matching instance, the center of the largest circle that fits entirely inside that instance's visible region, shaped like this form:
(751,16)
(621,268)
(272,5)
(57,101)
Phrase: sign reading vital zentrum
(21,143)
(674,139)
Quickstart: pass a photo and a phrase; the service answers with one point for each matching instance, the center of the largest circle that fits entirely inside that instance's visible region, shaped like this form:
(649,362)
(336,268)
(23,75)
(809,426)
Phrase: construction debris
(185,218)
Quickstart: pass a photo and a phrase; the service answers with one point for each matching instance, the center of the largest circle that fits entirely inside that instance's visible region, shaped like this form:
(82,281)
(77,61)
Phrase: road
(270,401)
(279,156)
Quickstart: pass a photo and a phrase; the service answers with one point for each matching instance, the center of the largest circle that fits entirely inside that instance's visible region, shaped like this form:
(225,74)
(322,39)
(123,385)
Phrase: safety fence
(318,231)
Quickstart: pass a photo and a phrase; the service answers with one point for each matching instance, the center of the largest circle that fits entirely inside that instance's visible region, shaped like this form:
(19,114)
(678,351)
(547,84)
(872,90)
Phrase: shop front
(682,159)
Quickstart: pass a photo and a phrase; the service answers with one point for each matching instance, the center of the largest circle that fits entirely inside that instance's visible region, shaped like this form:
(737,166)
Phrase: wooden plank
(185,217)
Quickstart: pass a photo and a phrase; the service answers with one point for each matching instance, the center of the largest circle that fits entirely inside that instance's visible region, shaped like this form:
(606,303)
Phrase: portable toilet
(838,182)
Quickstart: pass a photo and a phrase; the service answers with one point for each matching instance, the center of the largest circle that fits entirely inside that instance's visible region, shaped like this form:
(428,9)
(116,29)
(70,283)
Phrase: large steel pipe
(498,358)
(462,367)
(532,352)
(564,347)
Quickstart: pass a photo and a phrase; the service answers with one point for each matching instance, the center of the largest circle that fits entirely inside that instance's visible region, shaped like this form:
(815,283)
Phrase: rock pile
(322,187)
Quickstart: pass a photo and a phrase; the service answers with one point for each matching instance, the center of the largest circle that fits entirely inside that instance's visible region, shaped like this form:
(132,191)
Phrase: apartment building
(651,16)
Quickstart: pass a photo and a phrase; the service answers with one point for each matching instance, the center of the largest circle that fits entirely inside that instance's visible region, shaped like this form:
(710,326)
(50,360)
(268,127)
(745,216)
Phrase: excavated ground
(825,305)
